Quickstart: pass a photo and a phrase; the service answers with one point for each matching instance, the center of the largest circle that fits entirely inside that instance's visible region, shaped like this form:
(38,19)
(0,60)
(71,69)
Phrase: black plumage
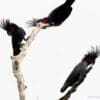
(57,16)
(79,68)
(17,33)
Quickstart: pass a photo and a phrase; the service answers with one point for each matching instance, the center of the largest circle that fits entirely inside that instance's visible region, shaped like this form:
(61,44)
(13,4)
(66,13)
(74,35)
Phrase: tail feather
(69,2)
(64,87)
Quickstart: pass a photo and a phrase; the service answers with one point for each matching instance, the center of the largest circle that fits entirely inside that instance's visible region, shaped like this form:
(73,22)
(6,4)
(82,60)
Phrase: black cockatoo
(17,33)
(57,16)
(79,68)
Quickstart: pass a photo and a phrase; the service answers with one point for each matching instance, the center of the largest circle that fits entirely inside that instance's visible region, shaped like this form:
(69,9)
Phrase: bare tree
(16,61)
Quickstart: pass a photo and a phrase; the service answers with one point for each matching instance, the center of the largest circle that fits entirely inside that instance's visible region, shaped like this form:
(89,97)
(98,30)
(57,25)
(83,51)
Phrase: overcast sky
(54,52)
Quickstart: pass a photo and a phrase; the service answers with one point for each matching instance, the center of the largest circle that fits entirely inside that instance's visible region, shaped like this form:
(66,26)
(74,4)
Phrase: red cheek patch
(45,21)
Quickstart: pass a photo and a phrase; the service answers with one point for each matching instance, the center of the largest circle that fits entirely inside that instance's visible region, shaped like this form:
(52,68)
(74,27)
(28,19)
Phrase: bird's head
(91,56)
(8,26)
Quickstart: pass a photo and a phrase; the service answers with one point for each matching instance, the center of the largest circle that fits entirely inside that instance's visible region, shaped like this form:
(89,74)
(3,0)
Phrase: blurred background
(54,52)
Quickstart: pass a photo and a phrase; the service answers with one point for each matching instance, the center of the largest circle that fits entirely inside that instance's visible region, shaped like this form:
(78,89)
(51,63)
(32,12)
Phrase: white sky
(54,52)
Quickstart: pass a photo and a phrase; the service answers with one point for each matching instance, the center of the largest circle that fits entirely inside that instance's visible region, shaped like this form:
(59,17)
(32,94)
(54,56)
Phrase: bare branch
(16,61)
